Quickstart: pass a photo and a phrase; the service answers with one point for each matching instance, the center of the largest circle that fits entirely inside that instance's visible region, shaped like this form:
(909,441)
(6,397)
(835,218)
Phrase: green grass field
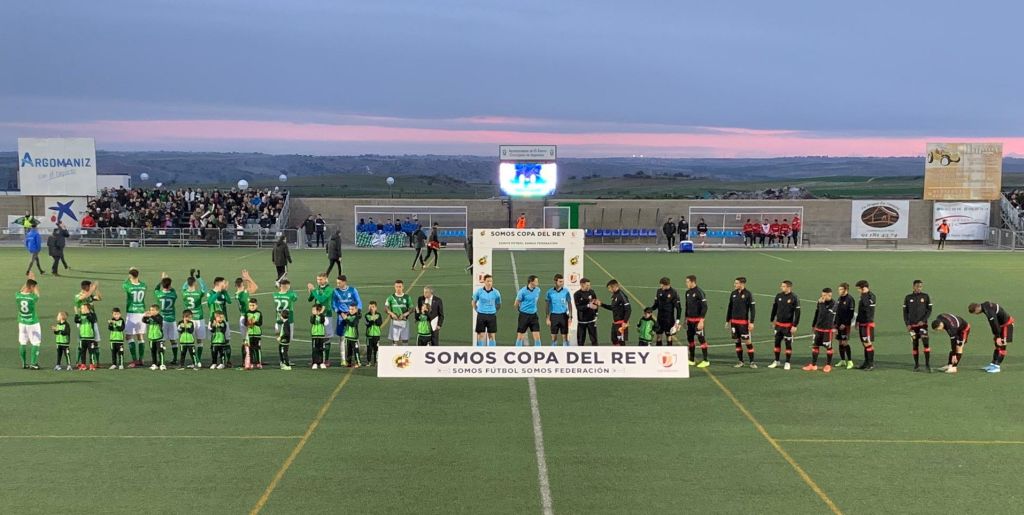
(723,441)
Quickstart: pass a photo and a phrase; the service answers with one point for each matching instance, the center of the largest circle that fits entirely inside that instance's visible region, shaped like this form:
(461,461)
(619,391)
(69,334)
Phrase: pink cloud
(678,141)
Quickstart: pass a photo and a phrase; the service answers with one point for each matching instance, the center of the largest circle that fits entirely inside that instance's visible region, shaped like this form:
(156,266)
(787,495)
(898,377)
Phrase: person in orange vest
(943,233)
(521,221)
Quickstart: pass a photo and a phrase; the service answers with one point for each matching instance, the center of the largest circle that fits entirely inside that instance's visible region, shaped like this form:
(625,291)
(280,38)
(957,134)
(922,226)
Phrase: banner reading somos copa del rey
(57,166)
(555,362)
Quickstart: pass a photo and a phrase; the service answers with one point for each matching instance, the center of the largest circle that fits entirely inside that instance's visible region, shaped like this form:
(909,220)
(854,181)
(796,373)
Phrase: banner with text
(963,171)
(57,166)
(555,362)
(967,220)
(879,219)
(527,152)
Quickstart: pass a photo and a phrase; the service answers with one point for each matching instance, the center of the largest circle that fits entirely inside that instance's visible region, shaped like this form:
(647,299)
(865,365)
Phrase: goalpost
(570,241)
(725,223)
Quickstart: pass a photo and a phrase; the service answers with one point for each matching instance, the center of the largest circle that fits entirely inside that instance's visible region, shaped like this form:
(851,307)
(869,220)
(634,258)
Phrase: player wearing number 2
(284,301)
(135,308)
(167,299)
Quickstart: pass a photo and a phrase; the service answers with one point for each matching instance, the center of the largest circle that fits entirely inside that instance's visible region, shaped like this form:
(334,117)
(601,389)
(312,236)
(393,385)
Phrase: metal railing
(128,237)
(1004,239)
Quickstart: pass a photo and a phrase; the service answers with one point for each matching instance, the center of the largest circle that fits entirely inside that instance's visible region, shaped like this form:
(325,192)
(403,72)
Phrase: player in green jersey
(321,295)
(424,333)
(218,300)
(244,287)
(116,328)
(29,331)
(398,307)
(187,338)
(283,325)
(220,346)
(318,333)
(88,349)
(62,335)
(647,327)
(89,293)
(155,334)
(284,301)
(254,333)
(167,298)
(374,320)
(135,308)
(351,319)
(192,293)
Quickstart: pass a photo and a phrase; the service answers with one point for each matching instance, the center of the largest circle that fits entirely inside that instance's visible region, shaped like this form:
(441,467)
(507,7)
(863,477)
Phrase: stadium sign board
(879,219)
(963,171)
(521,362)
(57,166)
(528,153)
(967,220)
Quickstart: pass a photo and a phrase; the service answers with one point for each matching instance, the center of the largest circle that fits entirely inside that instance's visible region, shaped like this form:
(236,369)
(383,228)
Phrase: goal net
(556,217)
(725,223)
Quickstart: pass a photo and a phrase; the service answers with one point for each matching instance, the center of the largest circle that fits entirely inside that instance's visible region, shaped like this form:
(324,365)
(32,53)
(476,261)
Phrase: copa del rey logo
(668,359)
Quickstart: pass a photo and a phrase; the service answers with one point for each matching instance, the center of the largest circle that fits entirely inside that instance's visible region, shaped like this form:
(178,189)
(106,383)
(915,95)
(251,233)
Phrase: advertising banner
(967,220)
(553,362)
(963,171)
(57,166)
(879,219)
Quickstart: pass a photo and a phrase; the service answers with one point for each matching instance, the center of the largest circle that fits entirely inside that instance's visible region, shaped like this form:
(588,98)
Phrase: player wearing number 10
(29,331)
(135,308)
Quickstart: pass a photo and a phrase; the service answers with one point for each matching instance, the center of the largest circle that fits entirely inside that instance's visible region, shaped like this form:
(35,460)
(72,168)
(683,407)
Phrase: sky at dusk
(738,78)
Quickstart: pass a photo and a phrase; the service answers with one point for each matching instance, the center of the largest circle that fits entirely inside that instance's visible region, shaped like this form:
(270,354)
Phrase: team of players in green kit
(157,327)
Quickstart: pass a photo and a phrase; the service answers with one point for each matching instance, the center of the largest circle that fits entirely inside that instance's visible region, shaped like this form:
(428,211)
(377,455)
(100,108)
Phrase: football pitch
(341,440)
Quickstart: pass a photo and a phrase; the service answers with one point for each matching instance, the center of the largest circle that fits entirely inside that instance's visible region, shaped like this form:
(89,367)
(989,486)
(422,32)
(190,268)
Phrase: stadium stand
(185,208)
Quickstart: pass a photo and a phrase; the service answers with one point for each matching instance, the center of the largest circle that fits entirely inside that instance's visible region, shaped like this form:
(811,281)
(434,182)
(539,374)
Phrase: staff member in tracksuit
(1002,329)
(586,313)
(621,310)
(669,228)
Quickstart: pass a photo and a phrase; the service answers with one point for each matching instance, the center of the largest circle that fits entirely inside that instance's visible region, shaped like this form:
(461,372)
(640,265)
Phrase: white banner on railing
(554,362)
(967,220)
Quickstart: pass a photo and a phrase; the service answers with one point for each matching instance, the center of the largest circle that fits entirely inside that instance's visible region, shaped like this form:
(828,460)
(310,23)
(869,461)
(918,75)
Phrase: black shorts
(843,334)
(1007,332)
(486,323)
(692,333)
(822,339)
(741,331)
(919,332)
(664,324)
(528,322)
(867,331)
(559,323)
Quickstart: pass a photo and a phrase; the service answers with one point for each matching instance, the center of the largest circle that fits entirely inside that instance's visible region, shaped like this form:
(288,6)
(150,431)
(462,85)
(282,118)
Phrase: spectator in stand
(321,226)
(186,208)
(669,228)
(309,226)
(88,222)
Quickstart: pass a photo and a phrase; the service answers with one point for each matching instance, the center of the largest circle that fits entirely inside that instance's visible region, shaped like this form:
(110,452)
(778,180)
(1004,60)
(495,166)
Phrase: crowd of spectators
(184,208)
(1016,197)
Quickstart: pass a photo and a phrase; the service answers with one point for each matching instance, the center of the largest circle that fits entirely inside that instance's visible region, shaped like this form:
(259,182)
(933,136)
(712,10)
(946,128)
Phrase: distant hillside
(473,176)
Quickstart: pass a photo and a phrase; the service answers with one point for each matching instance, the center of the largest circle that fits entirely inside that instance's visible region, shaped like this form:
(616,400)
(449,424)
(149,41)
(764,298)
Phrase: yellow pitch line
(939,442)
(309,432)
(300,445)
(186,437)
(757,425)
(775,445)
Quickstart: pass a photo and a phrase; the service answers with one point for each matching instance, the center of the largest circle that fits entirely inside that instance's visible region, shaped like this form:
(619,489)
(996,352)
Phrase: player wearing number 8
(29,331)
(135,308)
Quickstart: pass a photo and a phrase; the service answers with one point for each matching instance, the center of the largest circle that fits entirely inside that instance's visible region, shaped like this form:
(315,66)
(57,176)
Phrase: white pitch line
(538,430)
(774,257)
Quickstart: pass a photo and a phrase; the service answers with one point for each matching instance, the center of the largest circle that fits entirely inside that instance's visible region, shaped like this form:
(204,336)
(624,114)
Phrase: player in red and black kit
(784,232)
(586,313)
(748,234)
(757,239)
(958,330)
(786,318)
(866,324)
(844,321)
(668,310)
(824,325)
(917,309)
(797,225)
(621,311)
(739,317)
(1002,330)
(775,233)
(695,310)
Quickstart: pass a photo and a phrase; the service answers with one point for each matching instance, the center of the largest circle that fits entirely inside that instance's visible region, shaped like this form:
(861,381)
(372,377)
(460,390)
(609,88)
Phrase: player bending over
(1002,331)
(958,330)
